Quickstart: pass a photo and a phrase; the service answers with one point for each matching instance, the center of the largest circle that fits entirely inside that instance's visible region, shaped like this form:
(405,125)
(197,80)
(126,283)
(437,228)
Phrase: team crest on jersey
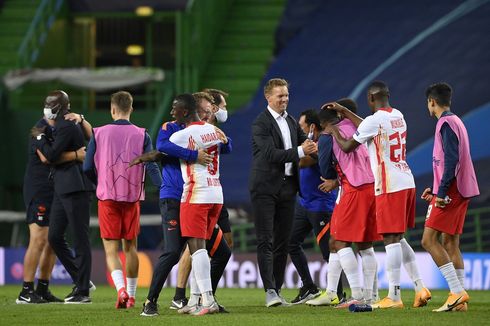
(172,222)
(41,211)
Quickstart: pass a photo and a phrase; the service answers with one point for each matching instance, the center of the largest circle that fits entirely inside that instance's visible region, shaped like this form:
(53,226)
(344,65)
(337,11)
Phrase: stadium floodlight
(135,49)
(144,11)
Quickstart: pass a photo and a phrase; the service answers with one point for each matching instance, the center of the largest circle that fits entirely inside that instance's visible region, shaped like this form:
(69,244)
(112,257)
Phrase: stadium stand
(325,54)
(333,53)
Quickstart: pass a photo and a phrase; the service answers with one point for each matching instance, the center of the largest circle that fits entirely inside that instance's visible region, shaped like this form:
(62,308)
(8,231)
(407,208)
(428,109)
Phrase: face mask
(221,115)
(48,114)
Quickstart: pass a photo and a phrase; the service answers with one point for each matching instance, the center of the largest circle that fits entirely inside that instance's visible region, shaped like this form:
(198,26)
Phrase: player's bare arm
(41,156)
(345,112)
(328,184)
(347,145)
(221,135)
(203,157)
(307,161)
(152,156)
(427,195)
(79,119)
(78,155)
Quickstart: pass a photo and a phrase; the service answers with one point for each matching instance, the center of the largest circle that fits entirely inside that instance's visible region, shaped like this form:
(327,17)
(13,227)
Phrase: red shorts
(449,219)
(395,211)
(354,217)
(119,220)
(198,220)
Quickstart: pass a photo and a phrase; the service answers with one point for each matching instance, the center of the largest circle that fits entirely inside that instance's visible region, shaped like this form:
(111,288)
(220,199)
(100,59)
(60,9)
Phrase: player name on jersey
(213,182)
(211,137)
(385,134)
(201,183)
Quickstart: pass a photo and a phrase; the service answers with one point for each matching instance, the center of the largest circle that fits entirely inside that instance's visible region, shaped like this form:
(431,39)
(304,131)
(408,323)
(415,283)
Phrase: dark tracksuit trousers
(304,222)
(174,244)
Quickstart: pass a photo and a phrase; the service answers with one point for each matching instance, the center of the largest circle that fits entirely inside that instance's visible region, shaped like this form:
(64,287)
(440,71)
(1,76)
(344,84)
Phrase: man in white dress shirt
(278,143)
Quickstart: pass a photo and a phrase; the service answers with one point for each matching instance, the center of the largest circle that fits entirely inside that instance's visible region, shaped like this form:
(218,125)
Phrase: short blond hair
(216,94)
(198,96)
(274,82)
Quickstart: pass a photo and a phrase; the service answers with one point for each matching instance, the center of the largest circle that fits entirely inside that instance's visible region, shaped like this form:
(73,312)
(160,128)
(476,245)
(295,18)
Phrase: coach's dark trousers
(273,222)
(173,245)
(74,210)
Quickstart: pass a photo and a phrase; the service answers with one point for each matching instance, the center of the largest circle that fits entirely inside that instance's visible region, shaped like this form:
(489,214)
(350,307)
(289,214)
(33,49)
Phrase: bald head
(57,101)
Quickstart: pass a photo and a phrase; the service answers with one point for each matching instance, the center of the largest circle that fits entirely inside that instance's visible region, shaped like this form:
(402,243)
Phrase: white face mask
(48,114)
(221,115)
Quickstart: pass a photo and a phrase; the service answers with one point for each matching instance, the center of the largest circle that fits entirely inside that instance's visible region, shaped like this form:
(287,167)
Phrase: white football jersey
(201,183)
(385,133)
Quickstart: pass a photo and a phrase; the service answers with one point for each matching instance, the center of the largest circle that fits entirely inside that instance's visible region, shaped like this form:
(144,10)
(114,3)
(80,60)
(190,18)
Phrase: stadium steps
(243,49)
(15,19)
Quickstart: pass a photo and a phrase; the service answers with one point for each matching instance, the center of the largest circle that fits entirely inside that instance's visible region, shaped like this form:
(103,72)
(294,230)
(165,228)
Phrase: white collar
(276,115)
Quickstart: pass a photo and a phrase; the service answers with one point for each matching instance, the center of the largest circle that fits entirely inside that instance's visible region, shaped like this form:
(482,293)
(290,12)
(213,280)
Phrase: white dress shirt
(286,138)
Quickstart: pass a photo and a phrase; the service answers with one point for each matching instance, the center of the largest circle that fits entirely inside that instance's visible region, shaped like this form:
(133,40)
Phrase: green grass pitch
(246,307)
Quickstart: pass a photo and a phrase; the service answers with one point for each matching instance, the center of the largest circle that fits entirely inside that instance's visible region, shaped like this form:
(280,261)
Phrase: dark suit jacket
(269,155)
(68,177)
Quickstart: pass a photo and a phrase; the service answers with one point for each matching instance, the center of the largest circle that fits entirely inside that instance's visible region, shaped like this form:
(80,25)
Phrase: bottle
(360,307)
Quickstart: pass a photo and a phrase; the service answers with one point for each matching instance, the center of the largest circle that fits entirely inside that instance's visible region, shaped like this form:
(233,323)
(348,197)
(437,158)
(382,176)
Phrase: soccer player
(38,194)
(351,223)
(212,108)
(120,190)
(312,212)
(385,133)
(170,196)
(454,184)
(201,203)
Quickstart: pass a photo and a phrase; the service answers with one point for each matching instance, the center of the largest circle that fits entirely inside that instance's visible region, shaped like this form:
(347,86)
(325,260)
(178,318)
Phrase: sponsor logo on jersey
(398,123)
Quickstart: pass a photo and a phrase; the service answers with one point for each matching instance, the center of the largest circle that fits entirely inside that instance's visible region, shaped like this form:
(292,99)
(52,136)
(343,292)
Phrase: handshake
(309,147)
